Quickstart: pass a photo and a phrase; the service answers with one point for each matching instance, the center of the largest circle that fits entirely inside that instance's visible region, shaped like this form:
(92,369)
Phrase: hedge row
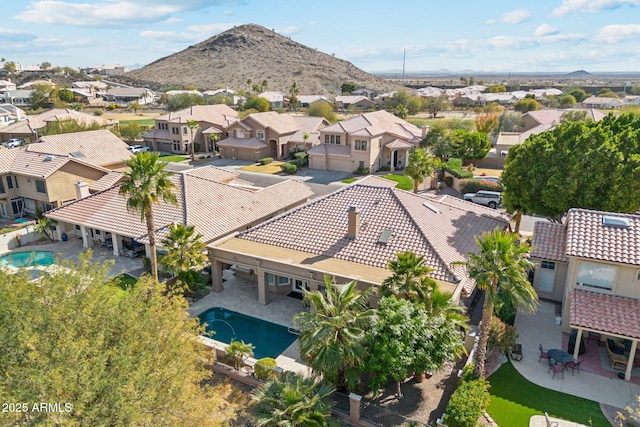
(473,185)
(266,160)
(454,167)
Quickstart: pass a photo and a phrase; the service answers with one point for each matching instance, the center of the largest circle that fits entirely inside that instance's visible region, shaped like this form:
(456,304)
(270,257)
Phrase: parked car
(492,199)
(13,142)
(488,178)
(138,148)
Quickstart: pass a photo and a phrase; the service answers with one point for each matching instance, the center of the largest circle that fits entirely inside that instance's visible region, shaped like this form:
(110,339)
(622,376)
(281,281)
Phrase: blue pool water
(21,220)
(269,339)
(26,259)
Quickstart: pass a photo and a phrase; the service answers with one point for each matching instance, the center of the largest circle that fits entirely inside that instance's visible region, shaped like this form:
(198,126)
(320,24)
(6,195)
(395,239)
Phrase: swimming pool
(26,259)
(269,338)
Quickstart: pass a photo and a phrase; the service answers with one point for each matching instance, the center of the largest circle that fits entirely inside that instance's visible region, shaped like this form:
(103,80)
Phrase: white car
(492,199)
(12,143)
(138,148)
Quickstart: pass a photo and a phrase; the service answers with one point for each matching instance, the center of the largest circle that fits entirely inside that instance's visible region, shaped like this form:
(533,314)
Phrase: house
(602,102)
(93,86)
(367,93)
(126,95)
(592,265)
(351,234)
(10,113)
(209,198)
(31,180)
(107,70)
(632,100)
(171,132)
(383,98)
(7,85)
(223,96)
(370,140)
(270,134)
(30,128)
(354,102)
(276,99)
(180,92)
(19,97)
(306,101)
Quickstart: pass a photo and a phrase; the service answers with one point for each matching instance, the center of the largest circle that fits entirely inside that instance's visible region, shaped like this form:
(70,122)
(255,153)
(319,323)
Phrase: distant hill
(253,52)
(579,74)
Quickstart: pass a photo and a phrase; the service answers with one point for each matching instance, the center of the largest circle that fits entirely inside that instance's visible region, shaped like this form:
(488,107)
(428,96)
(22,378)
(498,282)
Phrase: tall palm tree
(293,400)
(184,248)
(440,304)
(332,333)
(502,263)
(420,166)
(410,278)
(146,183)
(249,82)
(294,91)
(214,138)
(193,126)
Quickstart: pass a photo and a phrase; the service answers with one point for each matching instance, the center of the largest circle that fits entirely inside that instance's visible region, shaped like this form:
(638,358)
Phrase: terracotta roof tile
(607,313)
(109,180)
(331,149)
(242,143)
(549,241)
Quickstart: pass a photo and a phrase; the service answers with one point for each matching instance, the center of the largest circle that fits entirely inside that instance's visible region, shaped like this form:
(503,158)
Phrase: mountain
(253,52)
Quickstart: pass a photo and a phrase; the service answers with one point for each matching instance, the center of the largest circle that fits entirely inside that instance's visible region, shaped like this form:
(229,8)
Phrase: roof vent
(615,221)
(385,236)
(431,207)
(49,158)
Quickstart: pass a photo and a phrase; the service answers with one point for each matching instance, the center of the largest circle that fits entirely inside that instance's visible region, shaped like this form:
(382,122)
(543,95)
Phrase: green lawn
(350,180)
(404,182)
(514,400)
(173,158)
(125,281)
(141,122)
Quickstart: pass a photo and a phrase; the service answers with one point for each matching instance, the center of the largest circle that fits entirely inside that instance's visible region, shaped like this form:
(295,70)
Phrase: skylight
(385,236)
(431,207)
(615,221)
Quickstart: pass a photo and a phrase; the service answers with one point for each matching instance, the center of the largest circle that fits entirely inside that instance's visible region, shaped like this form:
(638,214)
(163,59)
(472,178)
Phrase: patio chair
(543,354)
(573,365)
(557,369)
(549,422)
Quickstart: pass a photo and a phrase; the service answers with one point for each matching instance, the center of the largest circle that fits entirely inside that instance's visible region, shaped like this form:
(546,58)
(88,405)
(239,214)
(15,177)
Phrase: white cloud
(615,33)
(515,16)
(109,13)
(227,13)
(556,38)
(545,30)
(508,42)
(590,6)
(173,20)
(15,35)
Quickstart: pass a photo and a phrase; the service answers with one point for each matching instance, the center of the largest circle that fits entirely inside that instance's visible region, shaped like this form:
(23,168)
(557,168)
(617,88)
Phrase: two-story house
(592,265)
(370,140)
(276,99)
(354,102)
(270,134)
(171,132)
(126,95)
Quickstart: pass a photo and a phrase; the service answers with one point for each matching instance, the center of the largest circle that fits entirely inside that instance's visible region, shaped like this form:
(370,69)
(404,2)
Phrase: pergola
(610,315)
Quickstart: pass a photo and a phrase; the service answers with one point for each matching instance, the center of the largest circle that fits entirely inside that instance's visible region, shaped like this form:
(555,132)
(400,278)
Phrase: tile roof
(606,313)
(273,96)
(241,143)
(220,115)
(39,121)
(213,173)
(127,91)
(99,147)
(280,123)
(7,156)
(376,123)
(546,116)
(443,234)
(549,241)
(330,149)
(109,180)
(214,208)
(398,144)
(39,165)
(587,237)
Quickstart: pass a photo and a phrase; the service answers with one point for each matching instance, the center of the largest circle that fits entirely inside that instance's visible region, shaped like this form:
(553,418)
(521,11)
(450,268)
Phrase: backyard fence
(381,416)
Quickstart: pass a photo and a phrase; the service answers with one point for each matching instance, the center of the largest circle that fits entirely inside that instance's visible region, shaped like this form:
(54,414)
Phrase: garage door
(340,164)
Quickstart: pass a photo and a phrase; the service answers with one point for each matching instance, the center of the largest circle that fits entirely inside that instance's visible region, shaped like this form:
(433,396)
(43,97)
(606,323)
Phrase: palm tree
(265,84)
(401,111)
(294,91)
(410,279)
(146,183)
(249,82)
(293,400)
(332,333)
(44,225)
(420,165)
(502,263)
(238,351)
(214,138)
(193,127)
(440,304)
(185,250)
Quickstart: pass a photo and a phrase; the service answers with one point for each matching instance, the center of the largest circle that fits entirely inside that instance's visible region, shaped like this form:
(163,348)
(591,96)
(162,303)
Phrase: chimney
(82,190)
(425,129)
(353,222)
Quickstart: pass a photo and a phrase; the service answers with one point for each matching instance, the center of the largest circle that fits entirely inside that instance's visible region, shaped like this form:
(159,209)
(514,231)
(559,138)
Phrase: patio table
(560,355)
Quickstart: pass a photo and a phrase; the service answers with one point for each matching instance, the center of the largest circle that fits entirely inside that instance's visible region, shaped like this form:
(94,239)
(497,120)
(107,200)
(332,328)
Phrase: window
(361,145)
(547,276)
(326,139)
(174,131)
(283,280)
(15,180)
(77,227)
(176,145)
(638,276)
(260,135)
(184,130)
(98,232)
(361,165)
(2,190)
(332,139)
(338,139)
(549,265)
(271,279)
(597,276)
(46,207)
(41,187)
(9,182)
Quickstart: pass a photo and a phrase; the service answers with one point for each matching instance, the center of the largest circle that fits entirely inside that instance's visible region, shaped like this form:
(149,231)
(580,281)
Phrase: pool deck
(242,296)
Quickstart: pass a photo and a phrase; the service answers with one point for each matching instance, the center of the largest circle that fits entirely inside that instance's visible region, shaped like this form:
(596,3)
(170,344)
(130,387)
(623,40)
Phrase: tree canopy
(256,103)
(116,357)
(526,104)
(585,164)
(184,100)
(469,145)
(348,87)
(322,109)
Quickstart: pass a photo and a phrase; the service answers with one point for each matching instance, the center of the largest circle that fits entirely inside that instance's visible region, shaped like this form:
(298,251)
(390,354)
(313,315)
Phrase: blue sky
(500,35)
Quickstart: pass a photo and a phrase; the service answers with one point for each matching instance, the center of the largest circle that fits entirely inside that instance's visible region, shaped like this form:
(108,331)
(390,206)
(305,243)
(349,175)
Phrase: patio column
(576,349)
(631,361)
(216,276)
(115,238)
(85,240)
(263,287)
(147,250)
(391,168)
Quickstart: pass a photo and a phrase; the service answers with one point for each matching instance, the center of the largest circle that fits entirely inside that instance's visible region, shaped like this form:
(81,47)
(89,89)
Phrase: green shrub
(448,180)
(299,155)
(503,308)
(384,168)
(473,185)
(112,107)
(266,160)
(501,336)
(467,403)
(454,167)
(289,168)
(300,161)
(467,373)
(362,171)
(98,112)
(264,369)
